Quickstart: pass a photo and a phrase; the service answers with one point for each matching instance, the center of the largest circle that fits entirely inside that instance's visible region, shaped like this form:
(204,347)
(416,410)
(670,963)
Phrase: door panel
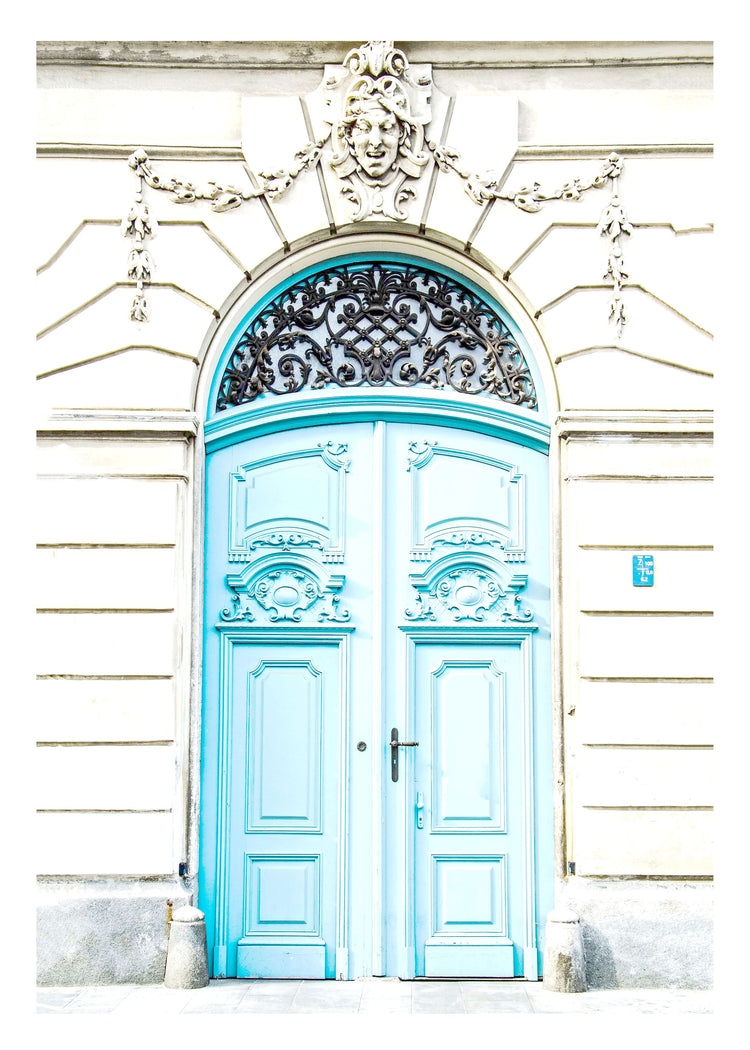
(469,567)
(468,852)
(466,699)
(283,840)
(363,577)
(284,747)
(288,576)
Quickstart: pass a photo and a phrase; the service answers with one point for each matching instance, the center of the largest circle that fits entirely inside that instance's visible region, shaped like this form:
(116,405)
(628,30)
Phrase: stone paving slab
(368,996)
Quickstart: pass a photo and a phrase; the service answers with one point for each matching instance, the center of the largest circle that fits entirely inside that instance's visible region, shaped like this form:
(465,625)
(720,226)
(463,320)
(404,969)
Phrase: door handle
(420,809)
(395,745)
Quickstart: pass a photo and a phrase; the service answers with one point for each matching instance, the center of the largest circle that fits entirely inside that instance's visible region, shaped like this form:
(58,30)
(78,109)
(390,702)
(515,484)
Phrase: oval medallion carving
(285,596)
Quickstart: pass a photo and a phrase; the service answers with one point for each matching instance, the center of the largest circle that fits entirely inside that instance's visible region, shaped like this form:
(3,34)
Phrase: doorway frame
(444,408)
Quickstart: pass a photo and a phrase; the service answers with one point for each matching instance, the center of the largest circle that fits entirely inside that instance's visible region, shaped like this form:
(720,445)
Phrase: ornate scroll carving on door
(309,490)
(285,590)
(286,578)
(476,588)
(375,324)
(490,495)
(468,524)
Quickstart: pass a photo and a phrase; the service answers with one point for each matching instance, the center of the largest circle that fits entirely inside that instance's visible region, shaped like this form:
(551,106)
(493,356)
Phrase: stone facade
(573,183)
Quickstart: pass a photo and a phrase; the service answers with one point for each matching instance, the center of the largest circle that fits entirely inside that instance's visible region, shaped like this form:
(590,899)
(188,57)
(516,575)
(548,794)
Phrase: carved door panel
(363,578)
(287,694)
(283,834)
(468,534)
(468,850)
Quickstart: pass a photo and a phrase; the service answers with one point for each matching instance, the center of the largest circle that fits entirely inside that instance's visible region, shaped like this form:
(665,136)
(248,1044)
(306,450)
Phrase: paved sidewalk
(367,996)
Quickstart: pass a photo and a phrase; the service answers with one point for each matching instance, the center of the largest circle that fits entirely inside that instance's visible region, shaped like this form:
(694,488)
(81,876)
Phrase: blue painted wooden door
(364,581)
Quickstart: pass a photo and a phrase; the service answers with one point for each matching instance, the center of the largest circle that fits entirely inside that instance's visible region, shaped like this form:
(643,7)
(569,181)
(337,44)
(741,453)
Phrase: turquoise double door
(376,795)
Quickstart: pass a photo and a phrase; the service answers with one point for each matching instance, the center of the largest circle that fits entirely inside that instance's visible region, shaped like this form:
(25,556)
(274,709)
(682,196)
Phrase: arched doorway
(376,766)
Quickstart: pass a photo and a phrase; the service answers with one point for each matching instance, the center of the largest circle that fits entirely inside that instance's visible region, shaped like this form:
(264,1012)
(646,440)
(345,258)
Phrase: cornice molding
(667,423)
(309,54)
(132,423)
(234,154)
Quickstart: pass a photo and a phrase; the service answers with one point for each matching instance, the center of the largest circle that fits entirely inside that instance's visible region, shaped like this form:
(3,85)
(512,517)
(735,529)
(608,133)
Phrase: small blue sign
(643,570)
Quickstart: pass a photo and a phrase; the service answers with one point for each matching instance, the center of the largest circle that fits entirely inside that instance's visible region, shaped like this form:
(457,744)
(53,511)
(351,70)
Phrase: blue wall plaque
(643,570)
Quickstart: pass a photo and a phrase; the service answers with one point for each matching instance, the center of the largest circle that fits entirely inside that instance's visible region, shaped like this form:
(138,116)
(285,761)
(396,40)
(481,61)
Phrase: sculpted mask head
(374,127)
(374,135)
(378,113)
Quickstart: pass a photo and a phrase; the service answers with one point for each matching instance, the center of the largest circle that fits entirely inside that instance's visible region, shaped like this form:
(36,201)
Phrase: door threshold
(498,980)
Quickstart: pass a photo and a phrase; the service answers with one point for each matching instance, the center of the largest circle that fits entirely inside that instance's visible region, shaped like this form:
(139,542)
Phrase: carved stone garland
(140,227)
(371,324)
(377,111)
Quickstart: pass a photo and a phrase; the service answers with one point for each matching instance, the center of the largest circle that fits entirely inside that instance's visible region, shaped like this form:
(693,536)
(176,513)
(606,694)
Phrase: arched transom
(377,324)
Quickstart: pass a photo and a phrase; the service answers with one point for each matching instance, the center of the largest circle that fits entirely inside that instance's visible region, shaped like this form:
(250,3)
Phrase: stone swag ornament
(377,110)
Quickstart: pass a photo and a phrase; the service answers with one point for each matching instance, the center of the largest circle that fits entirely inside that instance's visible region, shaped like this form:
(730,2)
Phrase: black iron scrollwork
(374,324)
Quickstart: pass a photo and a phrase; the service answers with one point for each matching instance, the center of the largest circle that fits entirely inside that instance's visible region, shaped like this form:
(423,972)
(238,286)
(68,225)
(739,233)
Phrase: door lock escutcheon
(395,745)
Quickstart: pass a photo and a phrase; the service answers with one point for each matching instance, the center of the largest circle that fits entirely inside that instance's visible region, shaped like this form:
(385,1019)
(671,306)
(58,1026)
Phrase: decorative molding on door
(522,638)
(487,415)
(285,589)
(290,474)
(261,812)
(498,499)
(232,636)
(495,924)
(493,761)
(307,923)
(477,589)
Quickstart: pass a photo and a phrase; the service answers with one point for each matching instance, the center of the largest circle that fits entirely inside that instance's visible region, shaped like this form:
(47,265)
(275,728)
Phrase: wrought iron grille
(374,324)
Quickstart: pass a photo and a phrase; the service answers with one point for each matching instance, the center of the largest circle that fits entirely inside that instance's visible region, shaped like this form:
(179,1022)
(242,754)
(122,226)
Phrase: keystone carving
(377,113)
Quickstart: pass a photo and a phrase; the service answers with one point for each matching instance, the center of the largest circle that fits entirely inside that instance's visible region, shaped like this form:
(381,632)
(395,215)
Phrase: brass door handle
(395,745)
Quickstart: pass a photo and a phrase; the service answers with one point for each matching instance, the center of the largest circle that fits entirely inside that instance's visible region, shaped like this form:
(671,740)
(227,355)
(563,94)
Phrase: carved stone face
(374,137)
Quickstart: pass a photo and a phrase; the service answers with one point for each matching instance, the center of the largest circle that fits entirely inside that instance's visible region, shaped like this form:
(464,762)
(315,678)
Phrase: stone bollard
(187,955)
(564,962)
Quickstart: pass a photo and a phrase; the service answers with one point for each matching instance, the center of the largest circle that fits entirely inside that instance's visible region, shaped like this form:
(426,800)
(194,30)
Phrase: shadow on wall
(601,971)
(670,951)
